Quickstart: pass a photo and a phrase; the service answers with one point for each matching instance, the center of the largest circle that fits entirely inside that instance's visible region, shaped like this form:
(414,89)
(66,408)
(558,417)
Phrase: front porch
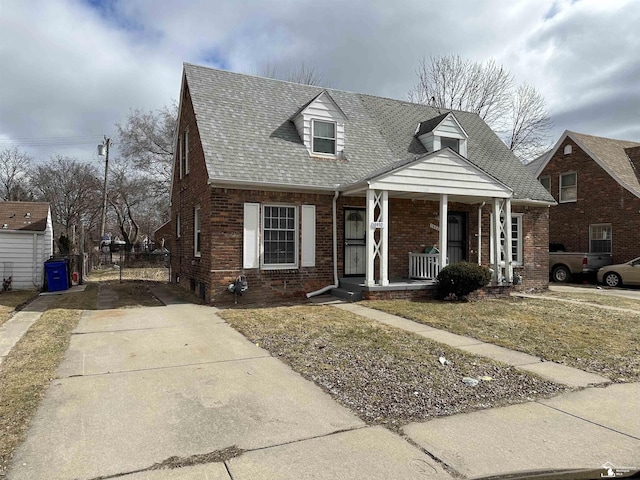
(420,216)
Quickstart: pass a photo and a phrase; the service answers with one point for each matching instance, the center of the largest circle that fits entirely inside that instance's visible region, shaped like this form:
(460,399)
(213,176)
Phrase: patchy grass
(385,375)
(129,294)
(597,340)
(12,301)
(597,298)
(31,364)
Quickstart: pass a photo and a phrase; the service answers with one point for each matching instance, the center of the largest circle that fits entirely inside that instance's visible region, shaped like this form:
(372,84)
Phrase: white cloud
(75,68)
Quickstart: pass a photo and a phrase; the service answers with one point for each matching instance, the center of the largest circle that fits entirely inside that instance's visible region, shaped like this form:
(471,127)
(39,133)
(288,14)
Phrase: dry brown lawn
(13,300)
(598,299)
(31,364)
(598,340)
(385,375)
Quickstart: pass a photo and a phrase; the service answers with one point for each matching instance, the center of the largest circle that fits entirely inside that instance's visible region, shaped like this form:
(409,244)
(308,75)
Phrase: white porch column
(508,250)
(384,239)
(371,240)
(444,207)
(495,238)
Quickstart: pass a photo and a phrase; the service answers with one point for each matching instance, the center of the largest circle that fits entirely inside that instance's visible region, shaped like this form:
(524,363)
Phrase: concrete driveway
(144,388)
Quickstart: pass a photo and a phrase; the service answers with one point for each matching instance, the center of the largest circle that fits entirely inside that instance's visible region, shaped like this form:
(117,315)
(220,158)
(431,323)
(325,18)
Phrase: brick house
(596,182)
(304,189)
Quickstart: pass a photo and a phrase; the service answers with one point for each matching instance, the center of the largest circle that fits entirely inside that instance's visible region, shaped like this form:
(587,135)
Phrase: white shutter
(308,235)
(250,245)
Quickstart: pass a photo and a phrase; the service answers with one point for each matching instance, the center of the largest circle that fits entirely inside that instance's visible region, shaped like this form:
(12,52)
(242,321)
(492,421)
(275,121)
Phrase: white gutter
(336,283)
(480,233)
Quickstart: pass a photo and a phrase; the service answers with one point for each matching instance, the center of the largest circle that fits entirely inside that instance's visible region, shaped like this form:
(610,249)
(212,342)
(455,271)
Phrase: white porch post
(495,237)
(444,206)
(508,250)
(384,239)
(371,240)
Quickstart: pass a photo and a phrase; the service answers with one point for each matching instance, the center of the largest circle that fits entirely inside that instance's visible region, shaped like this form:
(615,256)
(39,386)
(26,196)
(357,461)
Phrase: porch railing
(423,266)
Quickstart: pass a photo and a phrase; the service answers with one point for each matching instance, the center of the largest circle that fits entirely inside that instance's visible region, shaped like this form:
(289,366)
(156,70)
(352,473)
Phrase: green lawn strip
(602,341)
(12,300)
(385,375)
(31,364)
(598,298)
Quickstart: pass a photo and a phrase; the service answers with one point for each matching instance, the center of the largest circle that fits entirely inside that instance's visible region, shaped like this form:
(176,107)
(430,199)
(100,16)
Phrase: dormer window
(324,137)
(321,126)
(441,132)
(452,143)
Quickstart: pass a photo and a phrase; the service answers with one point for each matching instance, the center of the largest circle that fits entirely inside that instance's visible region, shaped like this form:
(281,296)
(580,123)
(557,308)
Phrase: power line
(50,141)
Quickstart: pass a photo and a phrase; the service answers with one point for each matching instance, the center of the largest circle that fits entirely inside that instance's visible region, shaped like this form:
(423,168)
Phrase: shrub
(460,279)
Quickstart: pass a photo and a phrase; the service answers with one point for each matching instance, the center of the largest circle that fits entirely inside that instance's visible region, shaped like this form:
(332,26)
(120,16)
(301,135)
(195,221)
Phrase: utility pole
(103,150)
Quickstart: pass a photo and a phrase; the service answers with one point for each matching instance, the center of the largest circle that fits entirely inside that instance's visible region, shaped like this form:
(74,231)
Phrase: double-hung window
(568,187)
(324,137)
(280,236)
(600,238)
(197,236)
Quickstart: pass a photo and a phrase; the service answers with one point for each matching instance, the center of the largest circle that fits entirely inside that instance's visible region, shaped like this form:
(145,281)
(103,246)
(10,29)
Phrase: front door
(355,245)
(456,237)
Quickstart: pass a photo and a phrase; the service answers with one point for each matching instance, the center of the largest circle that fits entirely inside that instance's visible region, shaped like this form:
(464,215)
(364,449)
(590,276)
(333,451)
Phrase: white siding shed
(26,242)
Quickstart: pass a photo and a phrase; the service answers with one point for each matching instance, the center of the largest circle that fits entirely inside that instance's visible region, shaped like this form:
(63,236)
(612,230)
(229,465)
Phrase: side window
(600,238)
(568,187)
(197,237)
(546,182)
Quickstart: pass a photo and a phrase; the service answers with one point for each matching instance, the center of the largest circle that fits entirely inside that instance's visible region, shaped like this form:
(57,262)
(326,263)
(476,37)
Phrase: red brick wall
(266,285)
(188,192)
(600,199)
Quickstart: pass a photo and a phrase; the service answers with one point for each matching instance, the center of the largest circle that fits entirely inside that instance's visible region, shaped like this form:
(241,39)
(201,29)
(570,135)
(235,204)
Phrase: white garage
(26,242)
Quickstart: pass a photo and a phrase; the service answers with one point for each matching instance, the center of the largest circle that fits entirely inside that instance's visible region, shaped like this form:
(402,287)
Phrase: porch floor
(356,284)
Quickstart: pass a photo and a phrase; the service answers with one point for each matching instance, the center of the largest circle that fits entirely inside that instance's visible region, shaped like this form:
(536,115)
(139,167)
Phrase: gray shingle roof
(247,135)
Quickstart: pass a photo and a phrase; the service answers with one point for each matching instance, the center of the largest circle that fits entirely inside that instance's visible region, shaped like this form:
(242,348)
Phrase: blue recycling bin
(57,275)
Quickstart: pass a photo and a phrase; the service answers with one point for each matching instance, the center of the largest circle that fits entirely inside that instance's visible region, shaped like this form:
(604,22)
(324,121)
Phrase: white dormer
(320,124)
(441,132)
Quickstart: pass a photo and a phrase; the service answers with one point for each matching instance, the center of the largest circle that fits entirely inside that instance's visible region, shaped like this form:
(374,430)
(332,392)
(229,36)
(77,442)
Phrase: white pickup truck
(564,264)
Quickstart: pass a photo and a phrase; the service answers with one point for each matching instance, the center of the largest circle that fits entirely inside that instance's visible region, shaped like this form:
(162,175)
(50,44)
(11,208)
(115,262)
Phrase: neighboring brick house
(301,188)
(596,182)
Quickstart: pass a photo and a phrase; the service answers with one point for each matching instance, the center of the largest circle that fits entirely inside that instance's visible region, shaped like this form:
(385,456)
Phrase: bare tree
(530,123)
(147,140)
(301,73)
(128,196)
(14,168)
(73,191)
(518,115)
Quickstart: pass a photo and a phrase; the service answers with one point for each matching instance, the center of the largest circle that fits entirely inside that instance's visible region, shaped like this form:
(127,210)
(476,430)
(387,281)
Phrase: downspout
(336,283)
(480,233)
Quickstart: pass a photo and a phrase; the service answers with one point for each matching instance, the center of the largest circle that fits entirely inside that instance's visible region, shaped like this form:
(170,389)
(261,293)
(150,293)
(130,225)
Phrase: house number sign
(375,225)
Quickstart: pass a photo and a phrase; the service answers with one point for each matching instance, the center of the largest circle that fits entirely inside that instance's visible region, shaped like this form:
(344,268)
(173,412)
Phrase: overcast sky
(70,70)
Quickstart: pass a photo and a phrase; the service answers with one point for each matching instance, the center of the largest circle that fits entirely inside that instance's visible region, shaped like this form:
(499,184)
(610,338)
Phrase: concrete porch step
(346,294)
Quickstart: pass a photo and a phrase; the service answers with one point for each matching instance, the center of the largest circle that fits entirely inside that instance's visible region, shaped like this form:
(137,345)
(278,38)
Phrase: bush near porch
(460,279)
